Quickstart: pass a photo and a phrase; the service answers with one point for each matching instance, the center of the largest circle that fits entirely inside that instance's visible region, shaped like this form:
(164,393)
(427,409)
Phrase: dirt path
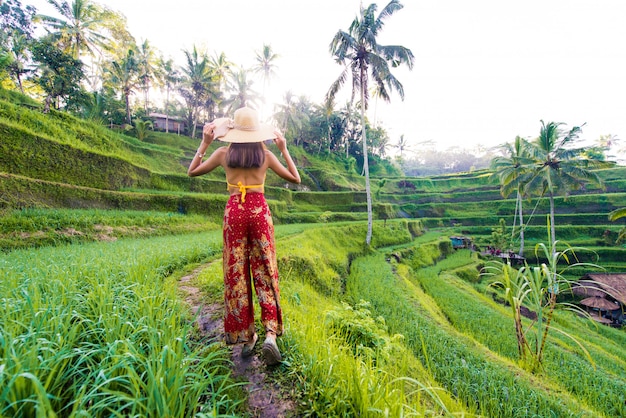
(266,398)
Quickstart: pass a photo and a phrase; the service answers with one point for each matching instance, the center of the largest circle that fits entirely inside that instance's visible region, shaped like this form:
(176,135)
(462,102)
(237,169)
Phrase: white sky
(485,70)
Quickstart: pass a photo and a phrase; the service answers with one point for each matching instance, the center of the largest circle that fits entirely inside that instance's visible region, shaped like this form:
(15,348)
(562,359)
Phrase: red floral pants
(249,252)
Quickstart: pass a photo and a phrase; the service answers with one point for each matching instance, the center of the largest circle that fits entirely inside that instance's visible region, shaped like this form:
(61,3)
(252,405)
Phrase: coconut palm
(287,114)
(241,92)
(221,66)
(558,167)
(402,145)
(170,77)
(350,123)
(327,109)
(18,54)
(198,84)
(364,60)
(148,69)
(265,64)
(79,27)
(124,75)
(509,170)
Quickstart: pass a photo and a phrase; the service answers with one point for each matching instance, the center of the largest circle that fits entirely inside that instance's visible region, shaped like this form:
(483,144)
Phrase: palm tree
(79,27)
(402,145)
(286,114)
(327,109)
(265,65)
(142,128)
(124,75)
(197,85)
(509,169)
(350,124)
(364,59)
(557,167)
(241,90)
(148,69)
(170,77)
(221,66)
(18,54)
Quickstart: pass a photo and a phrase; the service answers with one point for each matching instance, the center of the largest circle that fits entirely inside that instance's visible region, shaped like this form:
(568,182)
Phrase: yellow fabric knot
(243,189)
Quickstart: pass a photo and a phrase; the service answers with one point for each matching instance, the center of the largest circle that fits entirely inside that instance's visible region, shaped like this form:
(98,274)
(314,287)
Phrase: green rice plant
(475,314)
(322,336)
(37,227)
(333,381)
(482,381)
(97,330)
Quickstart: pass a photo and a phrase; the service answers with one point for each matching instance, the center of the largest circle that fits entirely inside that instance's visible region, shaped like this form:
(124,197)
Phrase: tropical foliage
(536,290)
(618,214)
(365,61)
(550,165)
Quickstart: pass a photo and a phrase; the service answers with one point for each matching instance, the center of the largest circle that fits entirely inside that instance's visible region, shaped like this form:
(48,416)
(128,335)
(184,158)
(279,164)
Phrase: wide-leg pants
(249,253)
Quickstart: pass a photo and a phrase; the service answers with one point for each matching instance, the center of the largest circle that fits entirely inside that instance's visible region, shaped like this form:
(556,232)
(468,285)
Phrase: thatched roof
(602,285)
(599,303)
(601,319)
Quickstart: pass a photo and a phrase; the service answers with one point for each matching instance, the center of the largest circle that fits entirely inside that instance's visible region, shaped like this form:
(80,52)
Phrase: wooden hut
(168,123)
(604,296)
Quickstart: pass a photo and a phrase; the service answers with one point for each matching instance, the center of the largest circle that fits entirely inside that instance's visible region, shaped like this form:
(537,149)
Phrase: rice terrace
(493,290)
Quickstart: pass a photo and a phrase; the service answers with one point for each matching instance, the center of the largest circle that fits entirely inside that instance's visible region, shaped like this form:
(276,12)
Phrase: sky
(485,71)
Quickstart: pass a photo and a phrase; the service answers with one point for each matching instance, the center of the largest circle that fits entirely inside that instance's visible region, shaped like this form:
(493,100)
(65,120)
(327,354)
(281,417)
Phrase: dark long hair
(249,155)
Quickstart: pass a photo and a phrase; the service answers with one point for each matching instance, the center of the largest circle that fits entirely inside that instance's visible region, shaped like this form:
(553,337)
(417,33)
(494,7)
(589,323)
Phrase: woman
(248,229)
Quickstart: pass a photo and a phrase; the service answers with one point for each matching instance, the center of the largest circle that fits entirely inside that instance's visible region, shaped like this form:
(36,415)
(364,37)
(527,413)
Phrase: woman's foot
(248,347)
(270,350)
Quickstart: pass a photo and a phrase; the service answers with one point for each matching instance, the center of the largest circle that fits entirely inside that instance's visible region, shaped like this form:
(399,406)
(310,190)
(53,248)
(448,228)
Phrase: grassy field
(99,328)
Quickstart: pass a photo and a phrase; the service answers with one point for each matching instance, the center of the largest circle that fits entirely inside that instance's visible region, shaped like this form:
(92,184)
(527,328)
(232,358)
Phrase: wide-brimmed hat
(244,128)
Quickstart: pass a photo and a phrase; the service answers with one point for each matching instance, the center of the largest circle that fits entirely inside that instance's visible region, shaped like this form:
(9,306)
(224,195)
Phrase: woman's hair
(249,155)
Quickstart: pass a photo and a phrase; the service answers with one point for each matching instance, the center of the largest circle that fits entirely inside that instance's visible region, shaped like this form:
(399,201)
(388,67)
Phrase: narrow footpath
(266,399)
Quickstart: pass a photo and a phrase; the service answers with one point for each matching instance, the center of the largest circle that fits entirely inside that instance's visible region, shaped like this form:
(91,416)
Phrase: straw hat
(245,128)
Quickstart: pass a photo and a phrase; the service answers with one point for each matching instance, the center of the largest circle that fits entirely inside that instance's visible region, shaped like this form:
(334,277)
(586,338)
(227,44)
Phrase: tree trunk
(46,105)
(167,105)
(127,101)
(366,169)
(521,225)
(552,228)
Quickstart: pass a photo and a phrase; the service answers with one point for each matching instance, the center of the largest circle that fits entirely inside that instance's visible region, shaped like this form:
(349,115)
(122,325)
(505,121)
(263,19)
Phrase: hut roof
(601,284)
(599,303)
(601,319)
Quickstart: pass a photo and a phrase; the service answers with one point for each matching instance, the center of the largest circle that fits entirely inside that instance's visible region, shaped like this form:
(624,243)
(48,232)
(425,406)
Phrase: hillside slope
(60,161)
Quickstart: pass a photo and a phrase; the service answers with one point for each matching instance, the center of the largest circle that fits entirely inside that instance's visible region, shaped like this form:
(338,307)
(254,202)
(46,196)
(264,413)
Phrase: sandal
(248,347)
(270,352)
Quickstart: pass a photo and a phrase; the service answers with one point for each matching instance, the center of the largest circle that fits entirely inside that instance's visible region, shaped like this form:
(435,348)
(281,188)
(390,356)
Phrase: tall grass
(37,227)
(97,330)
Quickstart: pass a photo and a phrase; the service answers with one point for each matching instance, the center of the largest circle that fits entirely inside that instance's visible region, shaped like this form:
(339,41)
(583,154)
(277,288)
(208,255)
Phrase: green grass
(40,227)
(484,382)
(98,329)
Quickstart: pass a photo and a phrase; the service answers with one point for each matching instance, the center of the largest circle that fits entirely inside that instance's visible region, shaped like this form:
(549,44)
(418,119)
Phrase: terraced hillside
(407,326)
(59,161)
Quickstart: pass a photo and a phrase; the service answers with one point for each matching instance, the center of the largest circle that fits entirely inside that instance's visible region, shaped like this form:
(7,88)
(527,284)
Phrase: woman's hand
(280,141)
(207,133)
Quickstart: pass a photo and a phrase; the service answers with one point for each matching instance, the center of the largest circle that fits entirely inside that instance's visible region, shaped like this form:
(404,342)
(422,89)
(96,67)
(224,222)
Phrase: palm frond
(617,214)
